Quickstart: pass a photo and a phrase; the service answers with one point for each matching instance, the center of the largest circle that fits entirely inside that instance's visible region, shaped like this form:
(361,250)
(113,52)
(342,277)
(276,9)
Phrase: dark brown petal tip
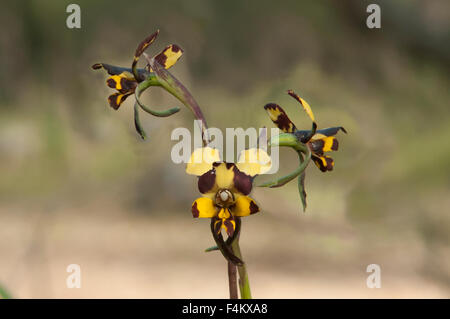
(335,145)
(295,96)
(206,181)
(330,163)
(253,207)
(111,83)
(195,211)
(145,43)
(176,48)
(242,181)
(324,163)
(116,99)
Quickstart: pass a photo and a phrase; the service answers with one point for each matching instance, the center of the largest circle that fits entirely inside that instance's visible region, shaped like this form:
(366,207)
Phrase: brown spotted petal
(242,182)
(322,145)
(324,163)
(244,206)
(225,176)
(229,225)
(121,80)
(124,82)
(203,208)
(169,56)
(116,99)
(226,221)
(280,118)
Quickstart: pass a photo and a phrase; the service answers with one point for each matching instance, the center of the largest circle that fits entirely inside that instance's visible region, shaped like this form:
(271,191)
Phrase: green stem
(301,183)
(244,283)
(151,81)
(137,122)
(288,139)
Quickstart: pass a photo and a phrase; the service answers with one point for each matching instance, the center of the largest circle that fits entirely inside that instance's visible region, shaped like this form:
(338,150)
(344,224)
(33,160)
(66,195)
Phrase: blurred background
(78,186)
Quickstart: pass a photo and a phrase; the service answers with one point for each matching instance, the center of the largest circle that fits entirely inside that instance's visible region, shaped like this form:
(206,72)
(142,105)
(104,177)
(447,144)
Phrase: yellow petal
(307,109)
(169,56)
(203,208)
(245,206)
(224,175)
(330,144)
(201,160)
(227,222)
(254,162)
(305,104)
(123,82)
(224,213)
(322,143)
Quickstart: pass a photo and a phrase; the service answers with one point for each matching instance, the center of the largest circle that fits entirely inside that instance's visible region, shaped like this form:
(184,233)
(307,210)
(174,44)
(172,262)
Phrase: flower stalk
(232,281)
(172,85)
(244,283)
(289,140)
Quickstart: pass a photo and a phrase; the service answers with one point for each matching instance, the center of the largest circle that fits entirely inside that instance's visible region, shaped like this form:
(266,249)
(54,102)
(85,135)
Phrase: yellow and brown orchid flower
(323,141)
(125,80)
(225,188)
(128,81)
(309,144)
(318,141)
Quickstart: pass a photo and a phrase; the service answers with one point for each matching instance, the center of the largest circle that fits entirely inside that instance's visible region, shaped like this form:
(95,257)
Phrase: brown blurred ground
(133,256)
